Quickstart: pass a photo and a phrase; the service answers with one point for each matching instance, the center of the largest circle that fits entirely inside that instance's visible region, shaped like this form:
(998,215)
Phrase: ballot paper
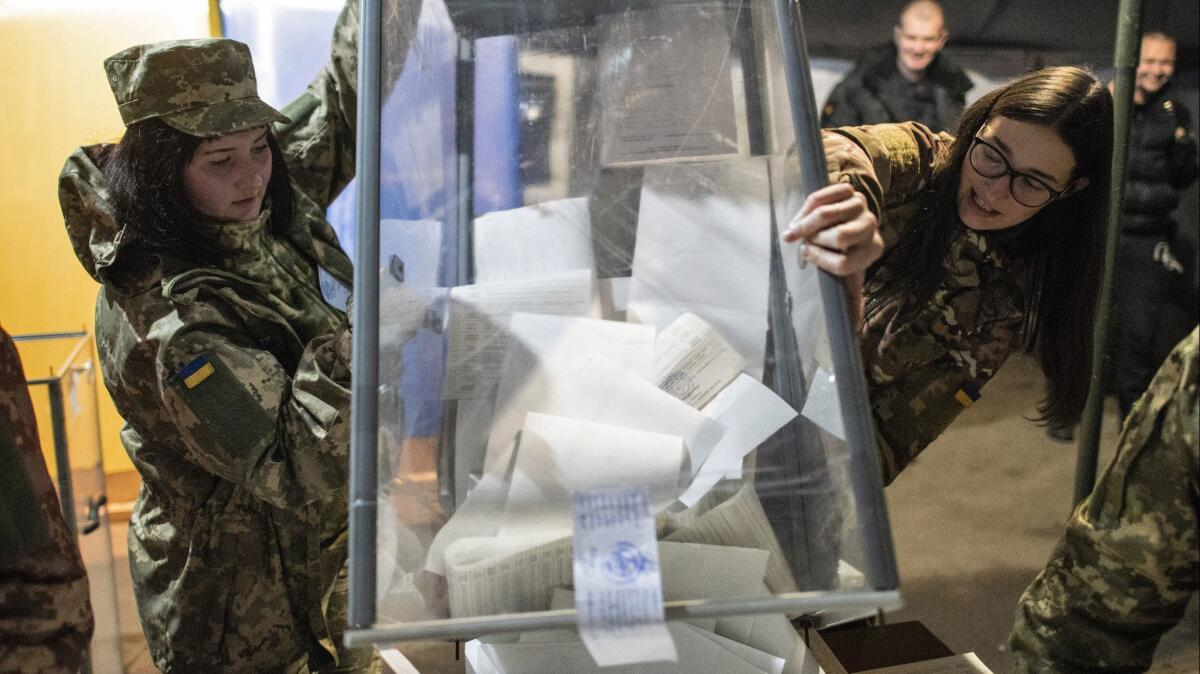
(477,516)
(539,240)
(692,361)
(699,571)
(493,575)
(668,88)
(697,652)
(703,571)
(750,413)
(544,357)
(618,577)
(480,313)
(604,392)
(703,247)
(766,641)
(558,455)
(731,514)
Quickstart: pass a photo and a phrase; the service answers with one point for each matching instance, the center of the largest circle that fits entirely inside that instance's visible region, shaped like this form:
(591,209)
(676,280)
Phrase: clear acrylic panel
(579,273)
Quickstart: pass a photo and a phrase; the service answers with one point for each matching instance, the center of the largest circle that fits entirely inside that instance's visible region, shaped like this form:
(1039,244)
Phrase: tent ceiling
(848,27)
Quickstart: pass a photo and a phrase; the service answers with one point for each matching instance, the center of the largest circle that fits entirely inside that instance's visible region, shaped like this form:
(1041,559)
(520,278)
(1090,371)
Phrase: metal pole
(44,336)
(364,409)
(867,484)
(691,609)
(62,455)
(1125,58)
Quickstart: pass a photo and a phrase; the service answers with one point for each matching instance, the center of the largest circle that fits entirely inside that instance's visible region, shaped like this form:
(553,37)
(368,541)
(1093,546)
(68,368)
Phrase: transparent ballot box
(576,210)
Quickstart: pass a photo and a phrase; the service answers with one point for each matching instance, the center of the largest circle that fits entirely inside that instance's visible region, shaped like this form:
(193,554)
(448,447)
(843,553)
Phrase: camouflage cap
(202,87)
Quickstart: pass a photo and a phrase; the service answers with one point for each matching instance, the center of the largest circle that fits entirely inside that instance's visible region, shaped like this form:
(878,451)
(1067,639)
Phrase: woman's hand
(836,231)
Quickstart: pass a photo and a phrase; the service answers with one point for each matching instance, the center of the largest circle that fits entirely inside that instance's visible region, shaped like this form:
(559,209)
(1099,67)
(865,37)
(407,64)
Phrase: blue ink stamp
(626,563)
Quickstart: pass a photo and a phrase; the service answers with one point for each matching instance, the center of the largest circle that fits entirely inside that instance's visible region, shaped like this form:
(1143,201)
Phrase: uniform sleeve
(919,385)
(319,141)
(45,613)
(888,163)
(239,415)
(1127,565)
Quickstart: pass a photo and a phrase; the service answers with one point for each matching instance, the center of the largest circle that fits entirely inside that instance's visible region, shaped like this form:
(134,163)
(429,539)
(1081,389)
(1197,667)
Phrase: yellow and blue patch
(194,373)
(967,395)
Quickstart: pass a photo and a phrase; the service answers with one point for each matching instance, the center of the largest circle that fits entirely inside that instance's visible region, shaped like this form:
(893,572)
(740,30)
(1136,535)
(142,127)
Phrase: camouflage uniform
(924,363)
(45,612)
(233,379)
(1129,562)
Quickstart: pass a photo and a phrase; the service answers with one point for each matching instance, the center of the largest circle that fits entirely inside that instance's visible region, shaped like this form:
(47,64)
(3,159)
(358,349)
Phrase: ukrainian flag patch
(194,373)
(967,395)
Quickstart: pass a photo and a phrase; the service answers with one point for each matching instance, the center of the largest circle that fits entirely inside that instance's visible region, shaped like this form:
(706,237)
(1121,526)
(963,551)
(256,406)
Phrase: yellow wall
(56,98)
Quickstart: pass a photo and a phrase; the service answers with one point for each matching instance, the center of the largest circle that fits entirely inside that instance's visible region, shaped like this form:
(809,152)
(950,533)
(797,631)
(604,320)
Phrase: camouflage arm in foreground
(1128,564)
(241,417)
(45,613)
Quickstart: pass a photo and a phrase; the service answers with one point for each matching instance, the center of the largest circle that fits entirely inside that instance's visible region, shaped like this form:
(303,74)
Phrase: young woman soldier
(205,226)
(992,242)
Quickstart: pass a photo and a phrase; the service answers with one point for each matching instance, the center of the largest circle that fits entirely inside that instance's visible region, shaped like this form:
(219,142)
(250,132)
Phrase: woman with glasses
(992,241)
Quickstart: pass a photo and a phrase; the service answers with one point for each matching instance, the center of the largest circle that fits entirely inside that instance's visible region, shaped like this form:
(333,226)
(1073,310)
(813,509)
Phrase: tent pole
(364,390)
(1125,59)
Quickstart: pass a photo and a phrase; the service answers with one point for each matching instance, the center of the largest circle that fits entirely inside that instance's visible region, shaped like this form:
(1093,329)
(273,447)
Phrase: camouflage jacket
(1129,562)
(924,363)
(233,381)
(45,613)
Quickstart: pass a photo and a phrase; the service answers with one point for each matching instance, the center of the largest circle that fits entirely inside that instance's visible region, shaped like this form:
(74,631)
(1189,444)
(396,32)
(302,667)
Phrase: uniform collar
(236,238)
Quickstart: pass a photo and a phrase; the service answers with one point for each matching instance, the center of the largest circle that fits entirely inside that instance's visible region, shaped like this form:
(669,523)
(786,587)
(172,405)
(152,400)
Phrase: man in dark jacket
(910,80)
(1162,160)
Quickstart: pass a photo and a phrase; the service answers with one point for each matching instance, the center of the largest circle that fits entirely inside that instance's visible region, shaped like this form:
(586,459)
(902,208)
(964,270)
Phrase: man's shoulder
(945,72)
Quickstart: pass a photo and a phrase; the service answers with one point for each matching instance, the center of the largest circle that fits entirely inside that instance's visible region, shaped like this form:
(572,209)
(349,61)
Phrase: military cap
(202,87)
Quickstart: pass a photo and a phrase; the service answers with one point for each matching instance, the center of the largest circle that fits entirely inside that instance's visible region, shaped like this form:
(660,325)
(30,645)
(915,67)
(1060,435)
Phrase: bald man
(1162,161)
(909,80)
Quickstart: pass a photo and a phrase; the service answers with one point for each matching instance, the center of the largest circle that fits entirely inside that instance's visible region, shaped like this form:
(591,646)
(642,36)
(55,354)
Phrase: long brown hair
(1062,244)
(144,173)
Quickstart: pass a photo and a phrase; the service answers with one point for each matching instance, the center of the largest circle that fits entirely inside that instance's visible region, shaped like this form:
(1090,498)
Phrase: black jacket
(1160,164)
(875,92)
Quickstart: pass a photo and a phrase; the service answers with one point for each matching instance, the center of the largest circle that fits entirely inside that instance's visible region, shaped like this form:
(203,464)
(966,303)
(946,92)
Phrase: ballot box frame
(479,19)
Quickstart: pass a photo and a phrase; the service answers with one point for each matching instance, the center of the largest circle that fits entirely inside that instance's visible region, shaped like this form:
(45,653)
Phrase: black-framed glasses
(989,162)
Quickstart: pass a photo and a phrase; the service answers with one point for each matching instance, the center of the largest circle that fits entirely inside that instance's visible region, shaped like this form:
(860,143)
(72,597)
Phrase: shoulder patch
(194,373)
(967,395)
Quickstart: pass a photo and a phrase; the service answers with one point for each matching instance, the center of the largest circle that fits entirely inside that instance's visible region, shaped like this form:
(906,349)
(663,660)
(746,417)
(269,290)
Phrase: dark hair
(144,173)
(1062,244)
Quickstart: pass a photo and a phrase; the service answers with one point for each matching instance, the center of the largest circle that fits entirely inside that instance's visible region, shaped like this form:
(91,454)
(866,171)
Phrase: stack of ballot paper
(757,643)
(551,398)
(584,403)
